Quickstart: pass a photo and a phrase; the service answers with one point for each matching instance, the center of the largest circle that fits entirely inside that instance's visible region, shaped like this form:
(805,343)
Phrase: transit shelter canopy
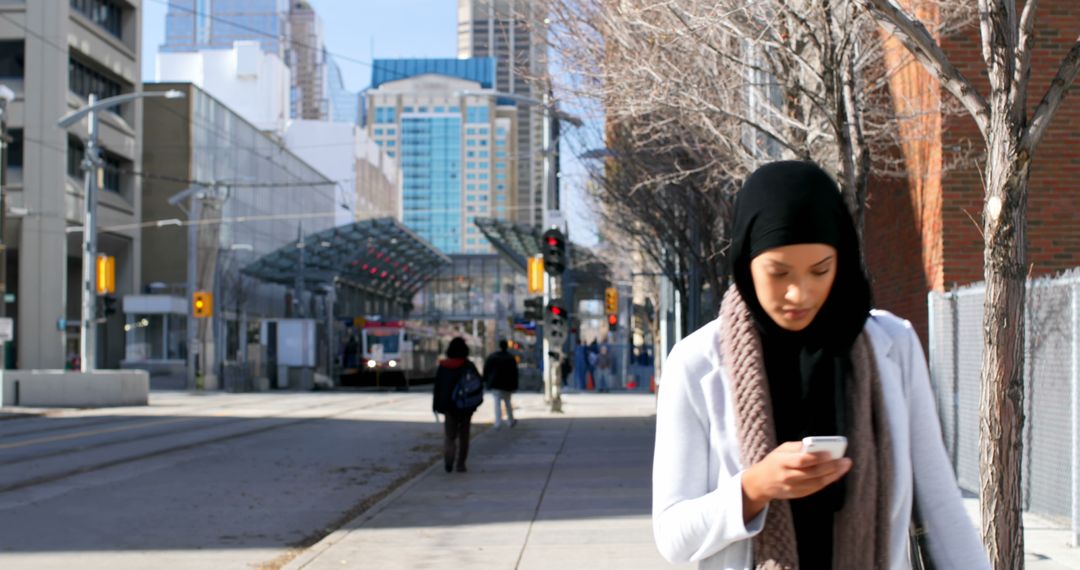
(380,256)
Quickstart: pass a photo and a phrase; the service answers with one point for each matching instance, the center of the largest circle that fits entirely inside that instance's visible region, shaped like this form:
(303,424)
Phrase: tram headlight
(372,364)
(393,364)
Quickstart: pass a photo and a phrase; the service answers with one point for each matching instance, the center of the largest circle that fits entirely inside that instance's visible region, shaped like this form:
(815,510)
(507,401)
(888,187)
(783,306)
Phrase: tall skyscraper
(307,60)
(193,25)
(289,30)
(454,141)
(511,31)
(344,104)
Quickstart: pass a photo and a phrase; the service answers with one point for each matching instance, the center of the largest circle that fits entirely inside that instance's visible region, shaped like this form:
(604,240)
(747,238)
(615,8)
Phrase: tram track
(98,466)
(222,422)
(88,421)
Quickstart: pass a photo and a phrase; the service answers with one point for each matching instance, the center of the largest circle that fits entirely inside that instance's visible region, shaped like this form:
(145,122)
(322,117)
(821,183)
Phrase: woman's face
(792,282)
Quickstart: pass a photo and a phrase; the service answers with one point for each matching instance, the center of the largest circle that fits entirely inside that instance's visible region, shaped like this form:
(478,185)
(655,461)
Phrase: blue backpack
(468,393)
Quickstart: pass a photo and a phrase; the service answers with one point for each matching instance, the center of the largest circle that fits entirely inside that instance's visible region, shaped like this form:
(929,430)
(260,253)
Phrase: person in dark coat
(501,375)
(457,423)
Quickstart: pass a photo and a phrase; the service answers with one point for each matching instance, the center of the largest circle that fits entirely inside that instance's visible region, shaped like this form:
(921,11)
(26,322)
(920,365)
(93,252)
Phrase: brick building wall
(935,221)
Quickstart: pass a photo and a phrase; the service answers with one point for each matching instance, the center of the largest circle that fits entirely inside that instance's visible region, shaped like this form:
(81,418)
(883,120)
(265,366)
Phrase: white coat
(697,472)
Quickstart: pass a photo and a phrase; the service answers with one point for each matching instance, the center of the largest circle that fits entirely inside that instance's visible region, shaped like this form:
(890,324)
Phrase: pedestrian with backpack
(501,375)
(458,392)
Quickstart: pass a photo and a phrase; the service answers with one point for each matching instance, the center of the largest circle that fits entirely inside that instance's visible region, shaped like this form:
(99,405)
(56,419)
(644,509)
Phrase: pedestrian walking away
(581,367)
(501,376)
(797,353)
(604,365)
(457,393)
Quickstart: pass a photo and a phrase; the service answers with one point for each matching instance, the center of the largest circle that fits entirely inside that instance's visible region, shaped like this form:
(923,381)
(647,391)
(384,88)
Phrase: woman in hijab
(797,352)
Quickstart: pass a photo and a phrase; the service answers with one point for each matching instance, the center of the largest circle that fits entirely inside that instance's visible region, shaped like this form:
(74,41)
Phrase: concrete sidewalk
(556,492)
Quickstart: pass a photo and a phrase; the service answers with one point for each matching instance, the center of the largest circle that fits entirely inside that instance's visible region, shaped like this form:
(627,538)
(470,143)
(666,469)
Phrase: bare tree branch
(1048,107)
(922,45)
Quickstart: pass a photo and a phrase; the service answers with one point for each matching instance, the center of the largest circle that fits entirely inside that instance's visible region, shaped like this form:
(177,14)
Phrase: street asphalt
(342,480)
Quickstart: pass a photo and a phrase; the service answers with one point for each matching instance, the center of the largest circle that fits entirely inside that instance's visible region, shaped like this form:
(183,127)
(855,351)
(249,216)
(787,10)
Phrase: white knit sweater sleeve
(952,539)
(690,521)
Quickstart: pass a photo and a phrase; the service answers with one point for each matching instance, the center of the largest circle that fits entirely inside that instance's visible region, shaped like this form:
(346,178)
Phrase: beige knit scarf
(861,537)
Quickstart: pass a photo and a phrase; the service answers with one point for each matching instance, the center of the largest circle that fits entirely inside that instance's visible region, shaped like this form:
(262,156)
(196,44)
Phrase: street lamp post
(91,162)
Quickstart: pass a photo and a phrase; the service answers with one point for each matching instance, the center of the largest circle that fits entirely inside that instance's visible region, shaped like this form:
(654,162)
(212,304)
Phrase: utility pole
(6,95)
(88,318)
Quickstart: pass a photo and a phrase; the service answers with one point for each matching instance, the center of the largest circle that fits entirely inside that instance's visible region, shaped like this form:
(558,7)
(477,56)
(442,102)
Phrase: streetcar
(389,354)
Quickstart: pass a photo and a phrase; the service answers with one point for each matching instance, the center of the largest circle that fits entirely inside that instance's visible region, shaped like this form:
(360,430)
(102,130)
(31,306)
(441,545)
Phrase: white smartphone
(834,445)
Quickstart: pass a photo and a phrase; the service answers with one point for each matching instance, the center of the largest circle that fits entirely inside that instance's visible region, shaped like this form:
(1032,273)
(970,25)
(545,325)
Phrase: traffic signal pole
(194,215)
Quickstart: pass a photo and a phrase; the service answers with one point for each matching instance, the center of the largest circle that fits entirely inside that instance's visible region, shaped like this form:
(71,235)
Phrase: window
(104,13)
(407,110)
(12,59)
(83,81)
(483,165)
(385,115)
(483,154)
(378,132)
(484,131)
(484,187)
(15,149)
(440,109)
(470,165)
(470,131)
(476,115)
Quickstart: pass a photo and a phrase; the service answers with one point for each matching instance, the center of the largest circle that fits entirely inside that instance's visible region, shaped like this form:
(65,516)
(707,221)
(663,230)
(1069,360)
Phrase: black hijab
(788,203)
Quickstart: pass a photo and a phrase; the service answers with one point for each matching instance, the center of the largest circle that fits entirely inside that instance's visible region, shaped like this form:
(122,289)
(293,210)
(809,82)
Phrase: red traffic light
(555,310)
(552,241)
(613,320)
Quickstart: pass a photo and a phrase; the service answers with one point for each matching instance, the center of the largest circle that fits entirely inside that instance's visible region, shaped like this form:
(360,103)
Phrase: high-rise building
(307,60)
(200,34)
(193,25)
(54,53)
(511,31)
(344,104)
(454,140)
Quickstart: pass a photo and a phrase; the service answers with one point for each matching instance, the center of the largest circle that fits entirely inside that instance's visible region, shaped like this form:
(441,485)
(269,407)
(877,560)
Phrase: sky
(363,29)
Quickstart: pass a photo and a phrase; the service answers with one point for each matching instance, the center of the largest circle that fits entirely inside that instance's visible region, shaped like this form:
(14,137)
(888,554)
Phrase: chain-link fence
(1051,437)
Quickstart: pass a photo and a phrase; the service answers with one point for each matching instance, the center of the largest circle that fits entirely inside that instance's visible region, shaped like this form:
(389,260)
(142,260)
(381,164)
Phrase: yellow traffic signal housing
(202,304)
(536,275)
(106,275)
(611,301)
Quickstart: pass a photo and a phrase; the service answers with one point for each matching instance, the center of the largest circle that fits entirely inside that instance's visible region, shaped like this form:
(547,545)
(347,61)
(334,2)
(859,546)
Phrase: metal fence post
(1074,299)
(954,313)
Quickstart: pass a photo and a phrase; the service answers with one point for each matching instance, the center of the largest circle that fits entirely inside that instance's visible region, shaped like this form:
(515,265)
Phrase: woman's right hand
(788,473)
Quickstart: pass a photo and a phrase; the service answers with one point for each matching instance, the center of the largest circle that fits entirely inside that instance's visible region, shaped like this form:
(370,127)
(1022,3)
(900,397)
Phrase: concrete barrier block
(70,389)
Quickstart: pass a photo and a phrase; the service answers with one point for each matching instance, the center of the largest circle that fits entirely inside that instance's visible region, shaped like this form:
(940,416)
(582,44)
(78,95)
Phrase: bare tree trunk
(1002,403)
